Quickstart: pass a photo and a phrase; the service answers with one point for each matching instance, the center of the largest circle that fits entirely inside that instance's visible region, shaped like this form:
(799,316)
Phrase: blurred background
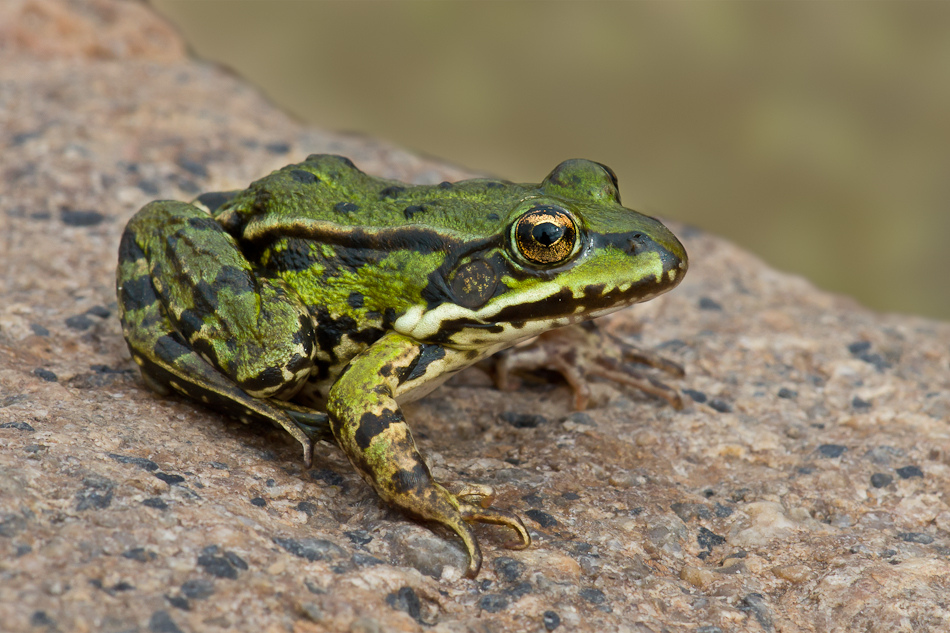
(816,135)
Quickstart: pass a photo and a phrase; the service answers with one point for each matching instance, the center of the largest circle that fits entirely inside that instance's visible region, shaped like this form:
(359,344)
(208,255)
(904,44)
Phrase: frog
(321,299)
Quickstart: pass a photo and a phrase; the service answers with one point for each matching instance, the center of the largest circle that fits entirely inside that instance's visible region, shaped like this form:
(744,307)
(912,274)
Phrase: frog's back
(327,191)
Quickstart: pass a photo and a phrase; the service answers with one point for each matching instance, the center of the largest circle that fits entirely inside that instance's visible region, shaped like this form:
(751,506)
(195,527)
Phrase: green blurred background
(816,135)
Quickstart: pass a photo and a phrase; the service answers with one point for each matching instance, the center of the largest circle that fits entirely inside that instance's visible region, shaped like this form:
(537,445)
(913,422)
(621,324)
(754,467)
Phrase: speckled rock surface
(803,488)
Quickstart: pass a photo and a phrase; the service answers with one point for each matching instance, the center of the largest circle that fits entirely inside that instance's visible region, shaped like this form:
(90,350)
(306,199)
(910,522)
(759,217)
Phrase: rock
(802,487)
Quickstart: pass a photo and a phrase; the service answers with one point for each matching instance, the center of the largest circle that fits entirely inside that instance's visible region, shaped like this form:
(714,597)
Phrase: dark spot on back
(392,192)
(412,210)
(304,177)
(345,207)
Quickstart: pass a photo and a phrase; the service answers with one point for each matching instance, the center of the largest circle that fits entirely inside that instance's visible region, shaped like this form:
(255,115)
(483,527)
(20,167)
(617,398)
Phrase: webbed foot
(587,350)
(470,503)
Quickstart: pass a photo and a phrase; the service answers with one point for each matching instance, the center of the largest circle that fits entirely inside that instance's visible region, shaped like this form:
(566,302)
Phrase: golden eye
(545,235)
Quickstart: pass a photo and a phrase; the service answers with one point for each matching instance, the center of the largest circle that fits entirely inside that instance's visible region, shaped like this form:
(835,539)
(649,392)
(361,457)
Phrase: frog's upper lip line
(637,242)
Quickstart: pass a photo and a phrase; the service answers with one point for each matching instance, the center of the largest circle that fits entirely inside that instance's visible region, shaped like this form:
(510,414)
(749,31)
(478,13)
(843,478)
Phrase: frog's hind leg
(189,304)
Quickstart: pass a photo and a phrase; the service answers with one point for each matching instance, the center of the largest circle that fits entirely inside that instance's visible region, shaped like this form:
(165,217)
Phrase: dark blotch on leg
(266,379)
(235,278)
(189,323)
(138,293)
(417,368)
(304,335)
(418,479)
(205,349)
(372,425)
(170,347)
(204,224)
(129,250)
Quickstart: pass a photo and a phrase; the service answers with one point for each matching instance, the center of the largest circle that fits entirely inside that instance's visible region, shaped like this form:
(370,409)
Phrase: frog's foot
(478,498)
(470,503)
(586,350)
(177,368)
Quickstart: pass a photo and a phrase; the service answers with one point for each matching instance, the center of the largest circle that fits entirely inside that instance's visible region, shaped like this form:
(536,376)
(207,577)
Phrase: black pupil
(547,233)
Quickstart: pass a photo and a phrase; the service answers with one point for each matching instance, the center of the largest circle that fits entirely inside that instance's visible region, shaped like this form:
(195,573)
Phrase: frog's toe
(579,353)
(475,494)
(636,354)
(498,517)
(627,375)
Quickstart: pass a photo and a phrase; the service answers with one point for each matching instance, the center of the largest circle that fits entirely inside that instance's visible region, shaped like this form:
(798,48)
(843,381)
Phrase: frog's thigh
(169,362)
(251,328)
(372,431)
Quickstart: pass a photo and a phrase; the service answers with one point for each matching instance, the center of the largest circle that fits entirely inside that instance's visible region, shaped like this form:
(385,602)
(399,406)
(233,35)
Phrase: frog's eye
(545,235)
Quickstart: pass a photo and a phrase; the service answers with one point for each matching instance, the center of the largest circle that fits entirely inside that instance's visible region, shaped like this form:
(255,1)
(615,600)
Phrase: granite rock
(802,489)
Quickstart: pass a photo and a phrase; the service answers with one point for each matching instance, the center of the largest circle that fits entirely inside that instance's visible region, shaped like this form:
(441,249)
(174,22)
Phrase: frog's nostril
(635,242)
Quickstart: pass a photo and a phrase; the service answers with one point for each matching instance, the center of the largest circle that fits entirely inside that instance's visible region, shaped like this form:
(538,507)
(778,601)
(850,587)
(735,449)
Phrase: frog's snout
(672,256)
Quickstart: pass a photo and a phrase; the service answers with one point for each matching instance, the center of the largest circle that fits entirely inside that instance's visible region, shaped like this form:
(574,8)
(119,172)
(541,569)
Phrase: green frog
(321,298)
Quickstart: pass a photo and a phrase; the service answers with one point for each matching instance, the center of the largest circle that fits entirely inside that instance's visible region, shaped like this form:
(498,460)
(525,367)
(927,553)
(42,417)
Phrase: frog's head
(568,251)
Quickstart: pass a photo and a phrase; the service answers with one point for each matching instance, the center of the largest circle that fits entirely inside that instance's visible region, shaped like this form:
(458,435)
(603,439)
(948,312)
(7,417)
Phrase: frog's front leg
(371,430)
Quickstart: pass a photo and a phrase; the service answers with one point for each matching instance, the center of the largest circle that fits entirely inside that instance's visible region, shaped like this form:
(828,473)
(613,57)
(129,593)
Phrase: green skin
(320,298)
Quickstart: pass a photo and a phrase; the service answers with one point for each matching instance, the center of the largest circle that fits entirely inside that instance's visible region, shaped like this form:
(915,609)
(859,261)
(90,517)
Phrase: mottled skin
(320,298)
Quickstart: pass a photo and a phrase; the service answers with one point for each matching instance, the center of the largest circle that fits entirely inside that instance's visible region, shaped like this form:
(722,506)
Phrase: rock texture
(803,489)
